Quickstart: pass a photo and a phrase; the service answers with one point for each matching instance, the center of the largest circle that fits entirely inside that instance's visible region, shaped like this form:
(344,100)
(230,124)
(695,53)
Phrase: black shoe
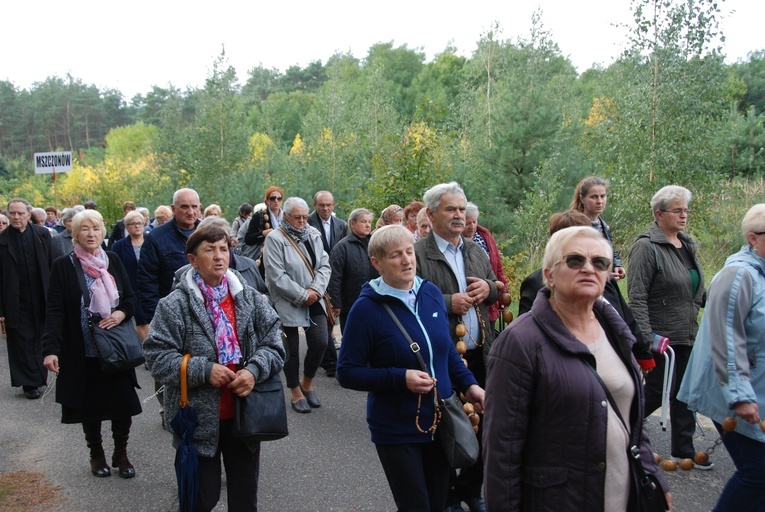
(126,469)
(331,372)
(311,398)
(33,393)
(301,406)
(99,467)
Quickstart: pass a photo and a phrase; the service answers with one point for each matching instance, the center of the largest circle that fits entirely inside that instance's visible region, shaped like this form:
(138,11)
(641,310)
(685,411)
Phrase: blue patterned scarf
(225,338)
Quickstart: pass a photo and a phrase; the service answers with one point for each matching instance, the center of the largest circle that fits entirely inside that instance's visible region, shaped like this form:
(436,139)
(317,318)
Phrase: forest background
(514,124)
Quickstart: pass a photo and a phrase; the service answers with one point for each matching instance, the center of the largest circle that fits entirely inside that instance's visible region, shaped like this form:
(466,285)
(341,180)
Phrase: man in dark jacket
(25,259)
(164,252)
(462,271)
(118,231)
(332,231)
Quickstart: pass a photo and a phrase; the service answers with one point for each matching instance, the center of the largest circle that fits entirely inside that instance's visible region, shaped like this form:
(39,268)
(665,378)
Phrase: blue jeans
(745,490)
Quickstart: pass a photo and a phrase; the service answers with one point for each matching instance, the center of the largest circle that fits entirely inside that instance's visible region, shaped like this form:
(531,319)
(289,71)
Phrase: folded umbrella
(186,463)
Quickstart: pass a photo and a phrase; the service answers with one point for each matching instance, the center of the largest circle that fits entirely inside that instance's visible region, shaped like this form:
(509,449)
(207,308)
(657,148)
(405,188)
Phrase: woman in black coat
(86,394)
(350,263)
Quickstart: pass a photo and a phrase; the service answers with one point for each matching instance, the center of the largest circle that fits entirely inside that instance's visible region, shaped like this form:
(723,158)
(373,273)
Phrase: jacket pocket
(544,477)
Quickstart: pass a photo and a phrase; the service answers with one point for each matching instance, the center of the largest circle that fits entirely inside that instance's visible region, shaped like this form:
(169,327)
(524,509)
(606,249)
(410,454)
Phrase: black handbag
(120,347)
(262,414)
(455,429)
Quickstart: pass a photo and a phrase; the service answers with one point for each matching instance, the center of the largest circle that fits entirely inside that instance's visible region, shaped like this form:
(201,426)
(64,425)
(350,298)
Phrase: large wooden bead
(507,316)
(460,330)
(506,299)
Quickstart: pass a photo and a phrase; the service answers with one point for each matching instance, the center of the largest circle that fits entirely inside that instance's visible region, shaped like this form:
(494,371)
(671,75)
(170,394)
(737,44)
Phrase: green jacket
(659,287)
(432,265)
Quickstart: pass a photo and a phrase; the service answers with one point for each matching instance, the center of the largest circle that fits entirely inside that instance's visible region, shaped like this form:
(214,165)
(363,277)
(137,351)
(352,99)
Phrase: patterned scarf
(225,338)
(301,235)
(104,294)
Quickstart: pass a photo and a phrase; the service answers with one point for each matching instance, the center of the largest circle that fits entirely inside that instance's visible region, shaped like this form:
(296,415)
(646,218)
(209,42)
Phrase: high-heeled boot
(98,465)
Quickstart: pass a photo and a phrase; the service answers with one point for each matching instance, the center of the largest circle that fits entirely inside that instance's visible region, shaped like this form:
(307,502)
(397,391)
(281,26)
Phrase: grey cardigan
(182,325)
(287,277)
(659,287)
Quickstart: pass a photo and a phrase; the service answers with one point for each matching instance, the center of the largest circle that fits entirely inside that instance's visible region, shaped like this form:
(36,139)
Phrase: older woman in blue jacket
(722,378)
(376,357)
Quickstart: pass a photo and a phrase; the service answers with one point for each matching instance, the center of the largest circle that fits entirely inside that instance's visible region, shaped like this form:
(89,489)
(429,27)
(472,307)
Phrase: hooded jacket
(181,325)
(544,437)
(375,356)
(722,369)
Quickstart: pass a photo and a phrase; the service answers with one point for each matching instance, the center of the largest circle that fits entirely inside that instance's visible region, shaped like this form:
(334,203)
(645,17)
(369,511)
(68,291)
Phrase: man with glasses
(25,260)
(332,230)
(461,269)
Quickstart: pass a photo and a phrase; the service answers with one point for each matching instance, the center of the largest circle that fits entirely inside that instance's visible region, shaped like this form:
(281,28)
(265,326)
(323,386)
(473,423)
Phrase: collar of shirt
(443,245)
(408,297)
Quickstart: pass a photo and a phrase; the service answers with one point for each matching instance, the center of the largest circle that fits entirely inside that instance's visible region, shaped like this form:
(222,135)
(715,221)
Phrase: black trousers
(469,483)
(329,360)
(316,341)
(418,475)
(242,473)
(681,419)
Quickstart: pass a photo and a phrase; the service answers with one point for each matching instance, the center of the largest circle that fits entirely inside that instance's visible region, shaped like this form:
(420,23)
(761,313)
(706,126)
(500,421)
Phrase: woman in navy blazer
(129,251)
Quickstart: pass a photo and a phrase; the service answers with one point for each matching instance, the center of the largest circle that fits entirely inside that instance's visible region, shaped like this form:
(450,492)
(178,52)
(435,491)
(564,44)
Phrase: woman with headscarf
(393,214)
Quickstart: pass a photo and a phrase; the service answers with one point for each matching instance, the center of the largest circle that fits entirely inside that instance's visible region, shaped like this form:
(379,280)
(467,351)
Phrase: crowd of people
(574,374)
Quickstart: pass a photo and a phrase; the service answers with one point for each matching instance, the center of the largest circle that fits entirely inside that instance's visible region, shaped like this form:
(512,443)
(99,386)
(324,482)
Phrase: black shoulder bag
(120,347)
(456,431)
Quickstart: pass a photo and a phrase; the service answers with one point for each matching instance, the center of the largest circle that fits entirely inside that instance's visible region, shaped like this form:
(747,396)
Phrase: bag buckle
(415,347)
(635,452)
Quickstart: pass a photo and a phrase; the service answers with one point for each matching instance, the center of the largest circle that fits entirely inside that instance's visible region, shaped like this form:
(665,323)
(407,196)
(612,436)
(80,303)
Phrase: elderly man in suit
(332,231)
(25,260)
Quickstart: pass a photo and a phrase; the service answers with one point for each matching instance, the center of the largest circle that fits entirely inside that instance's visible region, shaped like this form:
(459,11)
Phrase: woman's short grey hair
(68,213)
(215,221)
(292,202)
(754,221)
(422,214)
(144,211)
(471,211)
(385,237)
(133,216)
(662,199)
(560,239)
(432,196)
(91,215)
(358,213)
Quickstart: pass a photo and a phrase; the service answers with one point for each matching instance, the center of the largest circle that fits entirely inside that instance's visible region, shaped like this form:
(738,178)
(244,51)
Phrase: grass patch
(21,491)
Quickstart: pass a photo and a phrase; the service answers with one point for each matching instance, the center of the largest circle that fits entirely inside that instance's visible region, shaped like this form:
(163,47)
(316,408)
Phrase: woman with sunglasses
(560,379)
(263,222)
(665,286)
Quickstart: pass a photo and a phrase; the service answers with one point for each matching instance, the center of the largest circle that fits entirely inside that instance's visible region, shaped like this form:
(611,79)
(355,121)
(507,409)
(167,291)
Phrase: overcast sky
(131,46)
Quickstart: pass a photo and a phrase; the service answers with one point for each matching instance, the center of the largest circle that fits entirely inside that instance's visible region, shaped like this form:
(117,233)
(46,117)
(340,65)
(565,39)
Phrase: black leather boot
(98,465)
(120,434)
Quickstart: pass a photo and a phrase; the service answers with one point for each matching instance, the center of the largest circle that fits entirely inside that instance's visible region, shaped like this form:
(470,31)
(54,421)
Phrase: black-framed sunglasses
(275,198)
(577,261)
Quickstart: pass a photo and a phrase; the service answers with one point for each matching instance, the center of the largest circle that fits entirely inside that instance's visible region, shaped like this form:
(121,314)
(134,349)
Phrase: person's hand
(336,312)
(242,383)
(221,375)
(112,320)
(51,363)
(461,303)
(233,241)
(313,296)
(419,382)
(478,289)
(618,273)
(267,231)
(668,497)
(747,411)
(475,394)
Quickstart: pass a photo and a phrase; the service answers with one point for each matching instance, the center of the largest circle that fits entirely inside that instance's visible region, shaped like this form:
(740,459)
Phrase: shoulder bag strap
(184,381)
(297,248)
(412,344)
(81,278)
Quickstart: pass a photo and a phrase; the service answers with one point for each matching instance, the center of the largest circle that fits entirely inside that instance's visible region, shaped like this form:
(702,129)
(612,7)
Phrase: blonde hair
(91,215)
(386,236)
(754,221)
(560,239)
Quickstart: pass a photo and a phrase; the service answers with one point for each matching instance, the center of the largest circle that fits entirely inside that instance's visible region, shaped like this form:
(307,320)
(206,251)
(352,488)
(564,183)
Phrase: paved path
(326,464)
